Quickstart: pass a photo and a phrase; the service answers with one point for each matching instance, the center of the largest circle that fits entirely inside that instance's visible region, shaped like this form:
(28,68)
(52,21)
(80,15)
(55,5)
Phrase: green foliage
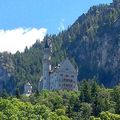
(56,101)
(37,93)
(98,105)
(109,116)
(18,95)
(60,112)
(85,95)
(15,109)
(64,105)
(2,116)
(91,99)
(94,89)
(85,110)
(4,94)
(78,40)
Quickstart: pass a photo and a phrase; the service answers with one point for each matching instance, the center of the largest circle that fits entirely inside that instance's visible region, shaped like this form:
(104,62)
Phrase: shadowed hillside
(92,43)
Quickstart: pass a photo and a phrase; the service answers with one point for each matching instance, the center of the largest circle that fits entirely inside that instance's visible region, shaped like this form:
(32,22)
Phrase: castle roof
(60,65)
(57,66)
(41,79)
(28,83)
(48,41)
(46,44)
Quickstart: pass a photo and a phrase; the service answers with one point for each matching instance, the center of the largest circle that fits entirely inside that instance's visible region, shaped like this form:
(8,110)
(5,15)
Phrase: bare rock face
(6,68)
(3,78)
(102,54)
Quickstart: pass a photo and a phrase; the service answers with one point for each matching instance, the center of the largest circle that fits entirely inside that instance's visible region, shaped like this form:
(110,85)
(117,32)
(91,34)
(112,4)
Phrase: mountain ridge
(92,43)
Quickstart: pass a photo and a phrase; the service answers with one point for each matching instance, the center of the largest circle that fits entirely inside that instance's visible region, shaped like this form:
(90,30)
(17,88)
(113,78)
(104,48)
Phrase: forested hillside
(92,43)
(91,102)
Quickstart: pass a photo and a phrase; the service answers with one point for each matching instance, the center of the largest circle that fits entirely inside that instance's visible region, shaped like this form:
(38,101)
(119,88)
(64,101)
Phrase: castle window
(72,75)
(61,74)
(67,75)
(74,81)
(59,84)
(44,78)
(66,69)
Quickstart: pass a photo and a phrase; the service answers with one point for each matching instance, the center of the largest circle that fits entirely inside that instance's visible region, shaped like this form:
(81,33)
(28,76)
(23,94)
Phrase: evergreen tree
(18,95)
(4,94)
(107,104)
(69,111)
(94,89)
(37,93)
(97,105)
(85,95)
(102,86)
(117,106)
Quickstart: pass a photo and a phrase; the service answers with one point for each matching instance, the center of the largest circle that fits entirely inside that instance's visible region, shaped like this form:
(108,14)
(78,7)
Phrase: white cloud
(18,39)
(58,28)
(61,27)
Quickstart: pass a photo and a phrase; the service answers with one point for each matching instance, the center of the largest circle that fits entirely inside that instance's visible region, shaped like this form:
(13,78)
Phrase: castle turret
(28,89)
(47,64)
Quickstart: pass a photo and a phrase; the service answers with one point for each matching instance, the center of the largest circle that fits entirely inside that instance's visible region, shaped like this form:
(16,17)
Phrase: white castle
(62,76)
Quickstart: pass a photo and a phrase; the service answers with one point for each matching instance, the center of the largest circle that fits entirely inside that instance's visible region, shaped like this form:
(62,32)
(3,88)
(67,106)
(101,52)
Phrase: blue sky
(24,21)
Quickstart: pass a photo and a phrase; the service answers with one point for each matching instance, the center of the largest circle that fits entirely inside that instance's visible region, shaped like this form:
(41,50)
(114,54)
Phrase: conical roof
(46,44)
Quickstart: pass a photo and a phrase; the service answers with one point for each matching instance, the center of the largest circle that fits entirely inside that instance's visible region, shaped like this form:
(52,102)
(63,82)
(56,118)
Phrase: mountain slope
(92,43)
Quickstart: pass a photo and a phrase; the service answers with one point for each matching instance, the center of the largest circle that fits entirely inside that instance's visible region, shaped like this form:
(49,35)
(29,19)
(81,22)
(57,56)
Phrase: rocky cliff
(101,56)
(6,68)
(92,43)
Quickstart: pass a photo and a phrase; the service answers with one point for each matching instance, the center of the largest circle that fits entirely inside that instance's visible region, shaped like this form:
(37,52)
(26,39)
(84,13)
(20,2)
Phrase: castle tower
(28,89)
(47,64)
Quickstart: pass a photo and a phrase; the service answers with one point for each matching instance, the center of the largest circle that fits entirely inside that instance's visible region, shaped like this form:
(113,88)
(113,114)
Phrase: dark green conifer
(18,95)
(94,89)
(85,95)
(4,94)
(37,93)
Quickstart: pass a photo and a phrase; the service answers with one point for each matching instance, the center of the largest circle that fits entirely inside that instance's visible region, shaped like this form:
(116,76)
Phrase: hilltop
(92,43)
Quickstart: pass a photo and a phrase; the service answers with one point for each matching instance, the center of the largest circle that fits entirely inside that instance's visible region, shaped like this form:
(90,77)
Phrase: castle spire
(46,44)
(47,63)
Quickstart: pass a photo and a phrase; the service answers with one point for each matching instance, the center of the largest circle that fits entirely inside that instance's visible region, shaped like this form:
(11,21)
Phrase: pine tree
(69,111)
(85,95)
(117,106)
(37,93)
(18,95)
(4,94)
(107,104)
(97,105)
(94,89)
(102,86)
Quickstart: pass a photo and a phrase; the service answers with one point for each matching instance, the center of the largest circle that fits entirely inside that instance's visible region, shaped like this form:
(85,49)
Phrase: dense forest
(92,44)
(90,102)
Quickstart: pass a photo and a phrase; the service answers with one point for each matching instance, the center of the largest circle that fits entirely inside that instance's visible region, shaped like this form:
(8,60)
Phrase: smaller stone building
(27,89)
